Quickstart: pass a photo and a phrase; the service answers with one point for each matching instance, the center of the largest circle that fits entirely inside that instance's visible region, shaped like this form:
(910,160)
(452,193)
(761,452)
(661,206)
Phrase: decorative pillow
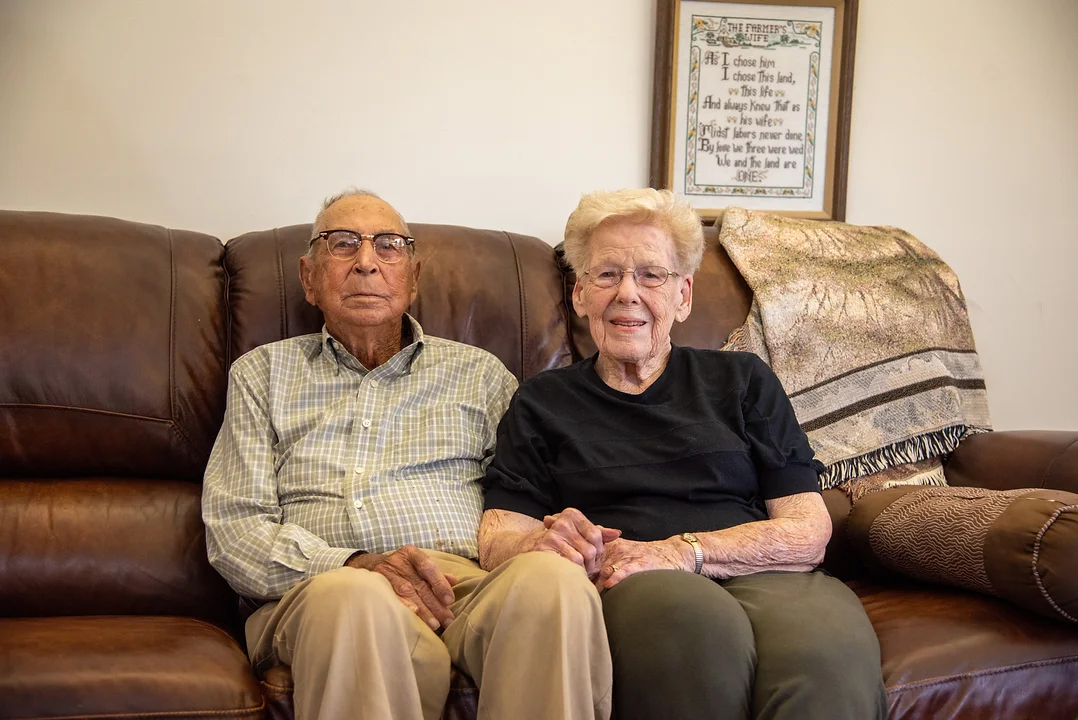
(1018,545)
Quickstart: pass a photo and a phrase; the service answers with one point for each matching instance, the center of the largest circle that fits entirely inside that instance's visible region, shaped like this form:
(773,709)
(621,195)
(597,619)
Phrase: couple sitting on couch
(638,533)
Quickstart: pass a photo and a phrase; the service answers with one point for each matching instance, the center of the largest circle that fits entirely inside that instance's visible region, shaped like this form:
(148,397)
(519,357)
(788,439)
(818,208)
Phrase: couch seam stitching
(238,712)
(1052,464)
(280,283)
(95,411)
(171,328)
(932,682)
(523,308)
(227,302)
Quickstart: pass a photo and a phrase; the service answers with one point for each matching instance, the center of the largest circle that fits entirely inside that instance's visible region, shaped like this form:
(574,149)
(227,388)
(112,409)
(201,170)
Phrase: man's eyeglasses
(344,244)
(649,276)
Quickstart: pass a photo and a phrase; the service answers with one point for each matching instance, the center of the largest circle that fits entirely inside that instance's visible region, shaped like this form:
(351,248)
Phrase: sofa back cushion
(496,290)
(112,347)
(107,546)
(112,387)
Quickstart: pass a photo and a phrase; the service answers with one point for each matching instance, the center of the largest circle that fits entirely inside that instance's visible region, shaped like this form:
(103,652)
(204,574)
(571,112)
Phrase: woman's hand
(577,539)
(626,557)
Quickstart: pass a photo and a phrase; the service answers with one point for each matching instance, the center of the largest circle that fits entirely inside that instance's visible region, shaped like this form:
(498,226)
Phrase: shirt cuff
(793,479)
(328,558)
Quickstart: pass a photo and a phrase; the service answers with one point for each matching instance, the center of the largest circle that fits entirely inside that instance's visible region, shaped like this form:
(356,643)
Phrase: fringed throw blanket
(868,331)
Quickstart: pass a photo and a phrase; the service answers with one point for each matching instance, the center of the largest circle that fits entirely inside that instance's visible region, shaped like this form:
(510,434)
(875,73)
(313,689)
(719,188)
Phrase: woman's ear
(578,298)
(685,307)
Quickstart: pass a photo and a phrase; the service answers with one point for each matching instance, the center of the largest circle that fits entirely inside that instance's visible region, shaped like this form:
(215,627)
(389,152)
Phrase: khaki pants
(530,634)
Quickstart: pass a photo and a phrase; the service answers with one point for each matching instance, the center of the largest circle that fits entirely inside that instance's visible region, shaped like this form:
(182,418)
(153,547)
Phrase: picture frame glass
(752,122)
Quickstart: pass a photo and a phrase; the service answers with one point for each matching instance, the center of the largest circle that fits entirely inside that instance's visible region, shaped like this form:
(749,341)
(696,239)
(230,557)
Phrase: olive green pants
(770,646)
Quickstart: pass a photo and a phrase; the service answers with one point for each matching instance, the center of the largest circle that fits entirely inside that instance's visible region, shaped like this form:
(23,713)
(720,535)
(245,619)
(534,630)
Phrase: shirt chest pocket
(435,440)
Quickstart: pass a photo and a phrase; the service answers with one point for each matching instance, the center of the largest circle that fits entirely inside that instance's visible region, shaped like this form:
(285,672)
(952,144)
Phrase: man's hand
(625,557)
(416,579)
(574,537)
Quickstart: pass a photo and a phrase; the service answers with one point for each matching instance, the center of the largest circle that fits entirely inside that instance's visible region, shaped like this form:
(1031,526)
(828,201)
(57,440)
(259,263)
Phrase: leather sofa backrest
(113,335)
(112,381)
(497,290)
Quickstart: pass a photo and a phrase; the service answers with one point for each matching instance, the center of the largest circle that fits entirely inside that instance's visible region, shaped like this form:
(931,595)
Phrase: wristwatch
(696,548)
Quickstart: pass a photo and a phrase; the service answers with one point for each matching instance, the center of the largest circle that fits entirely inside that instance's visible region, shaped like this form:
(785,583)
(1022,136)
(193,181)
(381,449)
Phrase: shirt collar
(335,353)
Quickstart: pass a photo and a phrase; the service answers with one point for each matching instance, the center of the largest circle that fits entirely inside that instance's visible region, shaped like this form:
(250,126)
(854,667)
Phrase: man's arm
(259,555)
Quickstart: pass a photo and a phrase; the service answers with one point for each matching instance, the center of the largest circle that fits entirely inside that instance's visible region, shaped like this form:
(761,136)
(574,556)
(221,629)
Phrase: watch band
(697,548)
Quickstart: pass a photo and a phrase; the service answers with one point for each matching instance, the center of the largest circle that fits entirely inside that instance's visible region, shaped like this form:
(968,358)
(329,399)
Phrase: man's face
(363,293)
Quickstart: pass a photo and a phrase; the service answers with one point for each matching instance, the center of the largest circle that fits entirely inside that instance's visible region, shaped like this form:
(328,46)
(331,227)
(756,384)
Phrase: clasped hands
(607,557)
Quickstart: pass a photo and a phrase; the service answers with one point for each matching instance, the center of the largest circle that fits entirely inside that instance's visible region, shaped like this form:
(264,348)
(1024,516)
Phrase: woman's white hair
(657,208)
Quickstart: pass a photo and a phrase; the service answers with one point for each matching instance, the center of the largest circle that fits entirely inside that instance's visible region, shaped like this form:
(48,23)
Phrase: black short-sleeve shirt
(699,450)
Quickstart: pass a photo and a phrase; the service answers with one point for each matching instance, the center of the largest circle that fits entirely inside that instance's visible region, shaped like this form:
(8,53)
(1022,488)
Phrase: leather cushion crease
(115,342)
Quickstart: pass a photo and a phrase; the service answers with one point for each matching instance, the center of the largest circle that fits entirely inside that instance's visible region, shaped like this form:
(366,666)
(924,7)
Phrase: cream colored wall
(228,116)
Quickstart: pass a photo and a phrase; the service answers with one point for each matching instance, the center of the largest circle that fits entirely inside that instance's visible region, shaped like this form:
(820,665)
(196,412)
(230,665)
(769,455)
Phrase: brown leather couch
(115,342)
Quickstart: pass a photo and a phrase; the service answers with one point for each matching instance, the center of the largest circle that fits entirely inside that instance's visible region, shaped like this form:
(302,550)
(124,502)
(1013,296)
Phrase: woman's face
(631,323)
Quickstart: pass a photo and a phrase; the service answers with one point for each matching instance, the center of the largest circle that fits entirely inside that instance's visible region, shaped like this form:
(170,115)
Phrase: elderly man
(343,494)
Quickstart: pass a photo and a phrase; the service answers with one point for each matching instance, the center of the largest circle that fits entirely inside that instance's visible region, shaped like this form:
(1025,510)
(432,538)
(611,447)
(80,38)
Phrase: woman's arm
(793,538)
(504,534)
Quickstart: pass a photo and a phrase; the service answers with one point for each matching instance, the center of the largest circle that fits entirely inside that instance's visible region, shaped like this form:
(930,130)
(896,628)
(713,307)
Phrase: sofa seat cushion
(950,654)
(113,666)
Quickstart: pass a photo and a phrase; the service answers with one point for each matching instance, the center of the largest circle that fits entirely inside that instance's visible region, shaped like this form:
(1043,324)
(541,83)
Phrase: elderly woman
(680,481)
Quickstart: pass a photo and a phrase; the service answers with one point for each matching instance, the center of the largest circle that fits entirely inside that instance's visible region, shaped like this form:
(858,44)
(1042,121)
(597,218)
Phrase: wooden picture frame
(744,93)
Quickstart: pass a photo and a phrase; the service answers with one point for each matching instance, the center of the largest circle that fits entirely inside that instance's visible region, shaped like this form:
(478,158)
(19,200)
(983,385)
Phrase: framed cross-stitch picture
(752,104)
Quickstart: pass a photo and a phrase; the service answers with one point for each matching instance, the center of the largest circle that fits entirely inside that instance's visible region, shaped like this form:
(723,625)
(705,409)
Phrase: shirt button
(374,383)
(366,422)
(358,504)
(358,470)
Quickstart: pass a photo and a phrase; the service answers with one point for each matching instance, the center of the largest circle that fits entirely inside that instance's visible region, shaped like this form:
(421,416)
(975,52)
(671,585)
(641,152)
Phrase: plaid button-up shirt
(319,457)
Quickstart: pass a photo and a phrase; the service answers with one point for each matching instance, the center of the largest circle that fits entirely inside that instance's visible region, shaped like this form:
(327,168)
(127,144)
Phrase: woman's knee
(681,646)
(670,612)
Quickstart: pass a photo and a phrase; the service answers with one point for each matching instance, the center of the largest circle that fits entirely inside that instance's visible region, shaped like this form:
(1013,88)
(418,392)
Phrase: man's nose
(366,261)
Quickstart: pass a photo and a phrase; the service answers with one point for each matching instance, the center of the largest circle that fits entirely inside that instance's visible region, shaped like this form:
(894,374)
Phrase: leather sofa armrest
(1016,459)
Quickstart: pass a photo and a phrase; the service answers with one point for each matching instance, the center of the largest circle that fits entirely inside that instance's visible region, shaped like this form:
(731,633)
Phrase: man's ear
(685,307)
(307,271)
(578,298)
(416,267)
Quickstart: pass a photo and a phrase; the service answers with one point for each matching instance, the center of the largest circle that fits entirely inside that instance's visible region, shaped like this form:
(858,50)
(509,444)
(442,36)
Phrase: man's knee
(540,581)
(347,592)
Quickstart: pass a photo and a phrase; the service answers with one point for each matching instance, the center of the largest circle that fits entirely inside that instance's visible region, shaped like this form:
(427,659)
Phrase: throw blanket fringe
(935,444)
